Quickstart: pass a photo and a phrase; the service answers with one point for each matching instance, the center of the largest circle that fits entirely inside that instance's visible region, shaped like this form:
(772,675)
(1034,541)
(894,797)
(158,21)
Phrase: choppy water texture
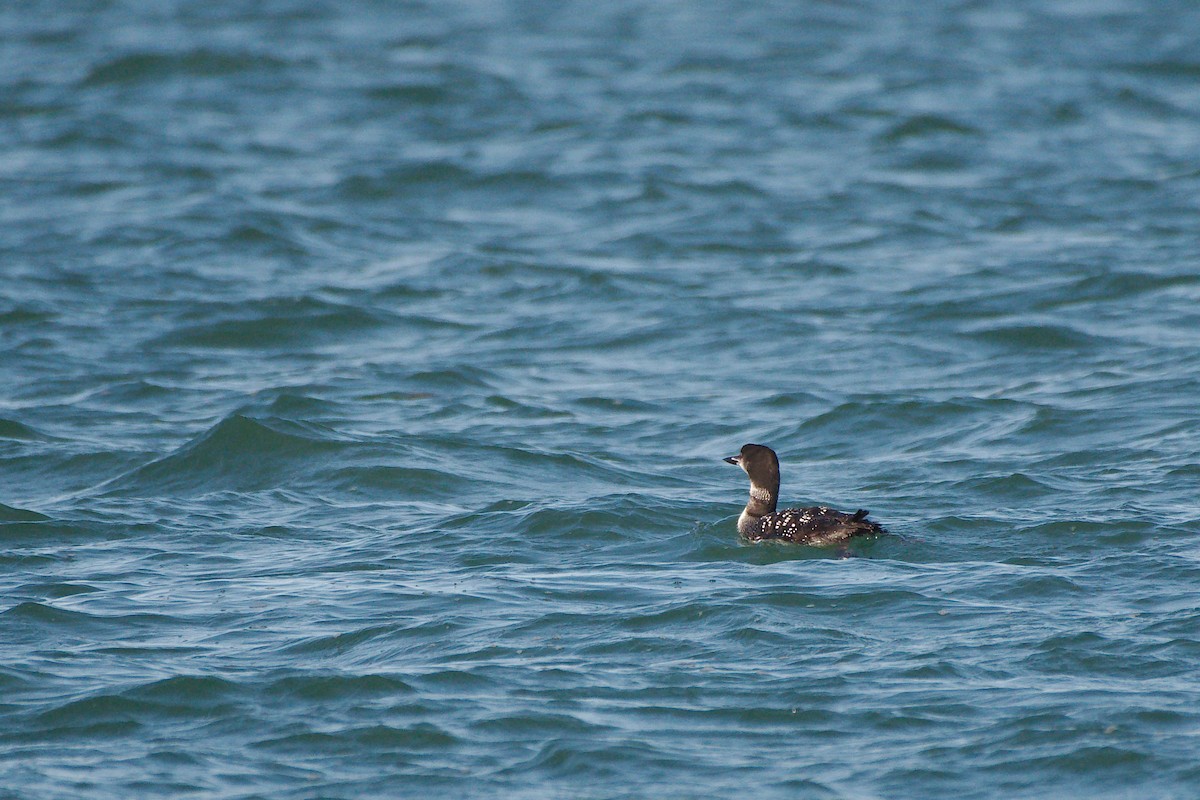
(367,369)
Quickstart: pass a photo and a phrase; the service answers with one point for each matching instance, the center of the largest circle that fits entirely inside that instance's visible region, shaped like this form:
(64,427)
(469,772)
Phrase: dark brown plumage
(816,525)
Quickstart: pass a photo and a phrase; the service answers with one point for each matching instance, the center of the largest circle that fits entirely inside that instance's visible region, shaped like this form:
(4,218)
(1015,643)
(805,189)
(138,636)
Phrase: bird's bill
(735,460)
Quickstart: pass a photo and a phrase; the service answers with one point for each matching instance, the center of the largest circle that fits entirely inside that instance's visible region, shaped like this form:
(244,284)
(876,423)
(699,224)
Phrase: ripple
(274,324)
(141,67)
(342,642)
(1037,337)
(927,125)
(420,737)
(103,715)
(395,483)
(238,454)
(310,686)
(18,431)
(11,514)
(398,181)
(542,725)
(185,695)
(40,616)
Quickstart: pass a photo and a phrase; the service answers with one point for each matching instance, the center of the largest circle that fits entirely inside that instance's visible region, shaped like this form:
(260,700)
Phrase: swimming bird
(817,525)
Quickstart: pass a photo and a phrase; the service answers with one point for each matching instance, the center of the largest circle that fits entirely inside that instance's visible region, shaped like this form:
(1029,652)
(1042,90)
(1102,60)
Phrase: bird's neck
(763,500)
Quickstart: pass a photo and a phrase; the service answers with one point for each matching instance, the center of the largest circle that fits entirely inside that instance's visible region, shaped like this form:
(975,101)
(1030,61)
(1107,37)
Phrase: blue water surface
(366,370)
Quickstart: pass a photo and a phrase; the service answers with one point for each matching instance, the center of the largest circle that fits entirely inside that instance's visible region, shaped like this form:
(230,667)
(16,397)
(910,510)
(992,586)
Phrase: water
(367,370)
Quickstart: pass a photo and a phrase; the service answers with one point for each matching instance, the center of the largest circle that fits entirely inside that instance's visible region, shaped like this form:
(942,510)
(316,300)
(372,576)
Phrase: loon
(817,525)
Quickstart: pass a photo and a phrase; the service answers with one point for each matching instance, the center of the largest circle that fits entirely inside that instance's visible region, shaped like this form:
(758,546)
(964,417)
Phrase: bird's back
(814,525)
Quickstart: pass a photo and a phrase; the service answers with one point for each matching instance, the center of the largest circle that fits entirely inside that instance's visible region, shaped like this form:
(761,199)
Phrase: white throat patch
(759,493)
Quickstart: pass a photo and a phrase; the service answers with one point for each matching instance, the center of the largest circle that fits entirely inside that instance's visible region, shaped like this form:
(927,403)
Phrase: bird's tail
(865,525)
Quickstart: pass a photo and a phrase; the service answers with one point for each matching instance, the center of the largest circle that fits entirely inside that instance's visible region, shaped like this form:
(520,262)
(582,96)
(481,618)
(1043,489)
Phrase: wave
(926,126)
(12,514)
(273,324)
(19,431)
(237,454)
(1025,337)
(147,67)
